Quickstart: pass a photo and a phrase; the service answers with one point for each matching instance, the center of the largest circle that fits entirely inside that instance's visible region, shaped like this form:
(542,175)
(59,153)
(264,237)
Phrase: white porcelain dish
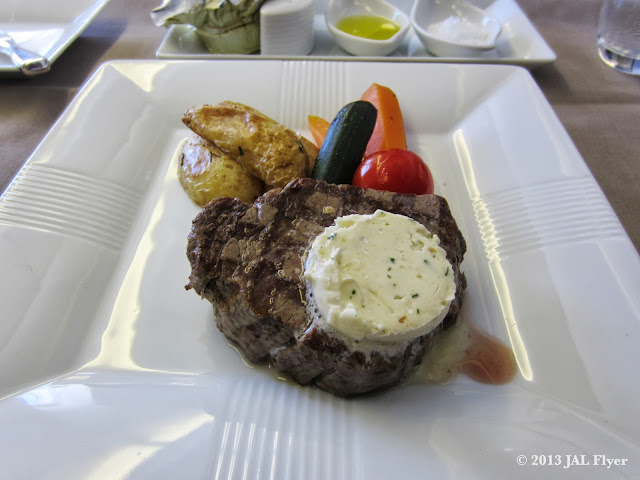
(519,44)
(338,9)
(110,369)
(454,28)
(45,27)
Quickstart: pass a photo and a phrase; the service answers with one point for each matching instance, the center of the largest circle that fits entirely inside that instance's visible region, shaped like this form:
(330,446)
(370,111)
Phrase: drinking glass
(619,35)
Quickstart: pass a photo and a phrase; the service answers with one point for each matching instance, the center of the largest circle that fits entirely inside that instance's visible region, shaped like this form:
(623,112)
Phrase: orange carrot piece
(389,130)
(318,127)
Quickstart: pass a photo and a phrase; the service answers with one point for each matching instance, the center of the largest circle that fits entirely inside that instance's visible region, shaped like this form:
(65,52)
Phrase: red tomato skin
(394,170)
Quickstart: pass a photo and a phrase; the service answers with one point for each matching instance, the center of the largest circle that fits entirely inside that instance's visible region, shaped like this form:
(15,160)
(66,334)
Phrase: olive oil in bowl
(372,27)
(375,29)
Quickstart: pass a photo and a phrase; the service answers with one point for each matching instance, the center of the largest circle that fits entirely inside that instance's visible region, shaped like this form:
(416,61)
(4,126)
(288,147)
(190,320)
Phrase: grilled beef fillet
(248,260)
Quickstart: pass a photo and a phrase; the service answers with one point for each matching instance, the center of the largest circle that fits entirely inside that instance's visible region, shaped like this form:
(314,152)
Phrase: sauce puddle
(466,349)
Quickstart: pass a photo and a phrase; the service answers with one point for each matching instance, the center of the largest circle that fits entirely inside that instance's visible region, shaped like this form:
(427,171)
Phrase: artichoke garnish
(222,25)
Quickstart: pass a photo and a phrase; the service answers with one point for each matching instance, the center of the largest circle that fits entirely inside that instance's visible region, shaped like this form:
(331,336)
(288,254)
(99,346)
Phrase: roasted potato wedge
(270,151)
(206,173)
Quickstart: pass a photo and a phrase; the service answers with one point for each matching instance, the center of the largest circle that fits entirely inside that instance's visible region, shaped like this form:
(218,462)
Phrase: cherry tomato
(394,170)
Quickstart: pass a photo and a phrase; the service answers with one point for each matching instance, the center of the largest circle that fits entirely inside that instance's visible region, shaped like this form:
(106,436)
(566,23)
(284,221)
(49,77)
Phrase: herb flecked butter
(381,277)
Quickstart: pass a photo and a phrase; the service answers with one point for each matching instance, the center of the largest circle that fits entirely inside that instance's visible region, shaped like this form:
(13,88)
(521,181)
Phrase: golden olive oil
(368,26)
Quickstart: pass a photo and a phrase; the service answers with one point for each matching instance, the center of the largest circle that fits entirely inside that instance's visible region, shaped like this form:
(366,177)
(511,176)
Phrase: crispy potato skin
(206,173)
(270,151)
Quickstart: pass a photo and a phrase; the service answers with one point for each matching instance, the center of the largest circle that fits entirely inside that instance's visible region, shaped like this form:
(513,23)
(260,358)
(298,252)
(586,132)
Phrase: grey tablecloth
(599,107)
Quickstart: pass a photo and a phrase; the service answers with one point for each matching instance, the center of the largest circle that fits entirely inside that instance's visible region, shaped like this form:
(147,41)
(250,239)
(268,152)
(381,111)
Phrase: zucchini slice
(345,143)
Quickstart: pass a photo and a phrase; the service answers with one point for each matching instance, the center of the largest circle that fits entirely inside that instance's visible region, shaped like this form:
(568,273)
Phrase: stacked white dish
(286,27)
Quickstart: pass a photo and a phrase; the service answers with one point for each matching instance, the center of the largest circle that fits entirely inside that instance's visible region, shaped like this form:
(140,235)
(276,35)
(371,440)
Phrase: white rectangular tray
(46,27)
(110,369)
(519,43)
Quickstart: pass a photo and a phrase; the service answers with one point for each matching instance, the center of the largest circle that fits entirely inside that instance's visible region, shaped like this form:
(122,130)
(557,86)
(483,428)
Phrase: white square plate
(45,27)
(519,43)
(110,369)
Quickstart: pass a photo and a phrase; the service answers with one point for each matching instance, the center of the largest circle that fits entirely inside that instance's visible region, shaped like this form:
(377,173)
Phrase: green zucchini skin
(345,143)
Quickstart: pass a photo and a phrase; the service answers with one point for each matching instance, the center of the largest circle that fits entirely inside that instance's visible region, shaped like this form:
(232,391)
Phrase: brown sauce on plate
(465,348)
(488,360)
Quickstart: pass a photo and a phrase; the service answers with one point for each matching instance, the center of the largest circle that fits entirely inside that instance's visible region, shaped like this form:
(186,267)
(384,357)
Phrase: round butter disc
(381,277)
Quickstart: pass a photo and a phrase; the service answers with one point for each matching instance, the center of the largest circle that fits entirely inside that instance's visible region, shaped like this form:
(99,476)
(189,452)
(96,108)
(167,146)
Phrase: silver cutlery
(30,63)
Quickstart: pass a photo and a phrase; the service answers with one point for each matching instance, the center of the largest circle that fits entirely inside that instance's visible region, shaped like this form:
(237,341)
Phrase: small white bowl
(454,28)
(360,46)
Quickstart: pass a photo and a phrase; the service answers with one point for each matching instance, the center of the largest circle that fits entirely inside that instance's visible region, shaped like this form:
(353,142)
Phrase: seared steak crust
(248,260)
